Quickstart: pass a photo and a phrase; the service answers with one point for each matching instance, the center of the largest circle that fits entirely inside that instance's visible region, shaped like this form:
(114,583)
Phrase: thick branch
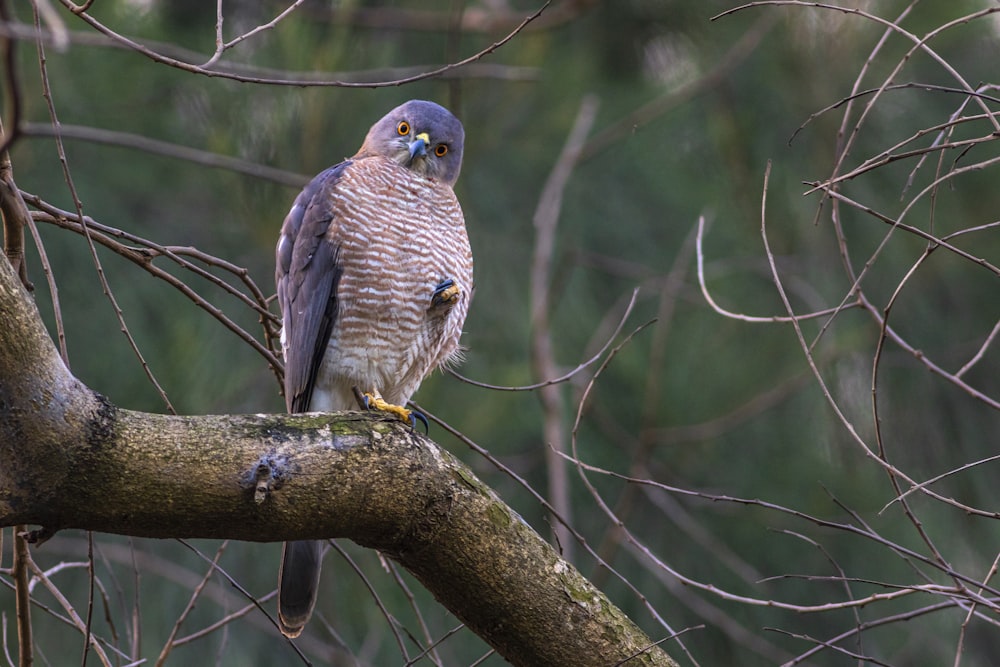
(74,460)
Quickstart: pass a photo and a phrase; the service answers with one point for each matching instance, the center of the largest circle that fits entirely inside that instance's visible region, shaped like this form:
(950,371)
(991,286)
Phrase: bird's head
(419,135)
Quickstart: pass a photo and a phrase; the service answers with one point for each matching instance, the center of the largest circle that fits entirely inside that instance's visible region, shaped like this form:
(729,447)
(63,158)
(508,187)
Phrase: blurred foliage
(628,218)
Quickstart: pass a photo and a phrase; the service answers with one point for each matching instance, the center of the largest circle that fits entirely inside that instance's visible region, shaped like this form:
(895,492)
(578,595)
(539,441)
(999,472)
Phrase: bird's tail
(298,584)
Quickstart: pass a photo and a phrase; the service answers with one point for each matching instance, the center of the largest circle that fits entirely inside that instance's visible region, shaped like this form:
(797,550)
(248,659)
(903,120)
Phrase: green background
(690,113)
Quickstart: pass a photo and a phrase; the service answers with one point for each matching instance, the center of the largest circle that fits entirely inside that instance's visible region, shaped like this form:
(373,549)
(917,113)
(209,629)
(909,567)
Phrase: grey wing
(307,272)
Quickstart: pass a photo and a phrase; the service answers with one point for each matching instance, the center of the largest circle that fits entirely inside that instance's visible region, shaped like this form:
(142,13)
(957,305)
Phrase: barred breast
(400,235)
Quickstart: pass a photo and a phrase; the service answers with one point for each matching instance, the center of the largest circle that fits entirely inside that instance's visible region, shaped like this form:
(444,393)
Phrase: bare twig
(243,591)
(766,319)
(197,69)
(221,46)
(105,286)
(565,377)
(22,597)
(485,17)
(145,256)
(392,623)
(475,70)
(971,614)
(866,532)
(170,644)
(168,149)
(222,622)
(69,609)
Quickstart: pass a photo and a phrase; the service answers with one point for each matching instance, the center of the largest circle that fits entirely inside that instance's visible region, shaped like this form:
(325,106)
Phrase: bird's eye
(403,128)
(440,150)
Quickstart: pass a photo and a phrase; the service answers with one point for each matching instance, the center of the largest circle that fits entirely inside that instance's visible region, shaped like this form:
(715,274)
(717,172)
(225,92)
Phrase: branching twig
(197,69)
(144,258)
(170,644)
(22,597)
(565,377)
(221,46)
(105,286)
(68,608)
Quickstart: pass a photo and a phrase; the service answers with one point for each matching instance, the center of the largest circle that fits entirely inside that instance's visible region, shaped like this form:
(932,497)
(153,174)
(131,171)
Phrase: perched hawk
(374,277)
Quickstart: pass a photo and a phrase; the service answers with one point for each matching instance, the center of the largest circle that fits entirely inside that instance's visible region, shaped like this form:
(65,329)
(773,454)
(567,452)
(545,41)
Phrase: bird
(374,279)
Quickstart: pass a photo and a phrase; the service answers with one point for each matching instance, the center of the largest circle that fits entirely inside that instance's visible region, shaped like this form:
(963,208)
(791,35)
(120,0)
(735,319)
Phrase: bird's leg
(374,401)
(446,293)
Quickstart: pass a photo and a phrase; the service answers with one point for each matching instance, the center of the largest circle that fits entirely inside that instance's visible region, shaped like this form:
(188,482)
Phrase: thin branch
(222,46)
(483,17)
(565,377)
(861,531)
(910,85)
(170,644)
(222,622)
(546,220)
(971,613)
(196,69)
(167,149)
(919,43)
(214,567)
(431,648)
(63,620)
(22,597)
(393,624)
(144,258)
(476,70)
(769,319)
(937,478)
(102,278)
(68,608)
(981,352)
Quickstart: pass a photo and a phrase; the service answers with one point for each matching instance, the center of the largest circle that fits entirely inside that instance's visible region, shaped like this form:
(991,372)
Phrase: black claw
(360,398)
(40,536)
(415,416)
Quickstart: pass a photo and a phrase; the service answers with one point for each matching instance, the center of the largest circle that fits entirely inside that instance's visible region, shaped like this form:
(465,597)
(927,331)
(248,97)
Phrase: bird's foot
(446,293)
(376,402)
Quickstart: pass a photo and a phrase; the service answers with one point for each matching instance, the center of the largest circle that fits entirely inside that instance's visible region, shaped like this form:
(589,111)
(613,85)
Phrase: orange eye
(403,128)
(440,150)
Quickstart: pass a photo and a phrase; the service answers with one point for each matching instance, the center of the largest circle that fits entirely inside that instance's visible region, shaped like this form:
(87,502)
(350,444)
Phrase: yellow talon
(446,293)
(449,294)
(376,402)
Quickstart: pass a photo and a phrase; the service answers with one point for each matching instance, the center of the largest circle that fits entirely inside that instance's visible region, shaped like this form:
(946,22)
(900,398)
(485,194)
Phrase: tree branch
(193,68)
(74,460)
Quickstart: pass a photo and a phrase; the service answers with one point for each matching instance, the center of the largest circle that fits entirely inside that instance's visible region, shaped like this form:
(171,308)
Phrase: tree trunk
(71,459)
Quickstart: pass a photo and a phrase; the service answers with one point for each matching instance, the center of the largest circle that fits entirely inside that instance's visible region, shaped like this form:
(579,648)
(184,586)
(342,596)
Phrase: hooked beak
(418,147)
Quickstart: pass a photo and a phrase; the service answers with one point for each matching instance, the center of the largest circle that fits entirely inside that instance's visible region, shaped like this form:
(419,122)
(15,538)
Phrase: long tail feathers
(298,584)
